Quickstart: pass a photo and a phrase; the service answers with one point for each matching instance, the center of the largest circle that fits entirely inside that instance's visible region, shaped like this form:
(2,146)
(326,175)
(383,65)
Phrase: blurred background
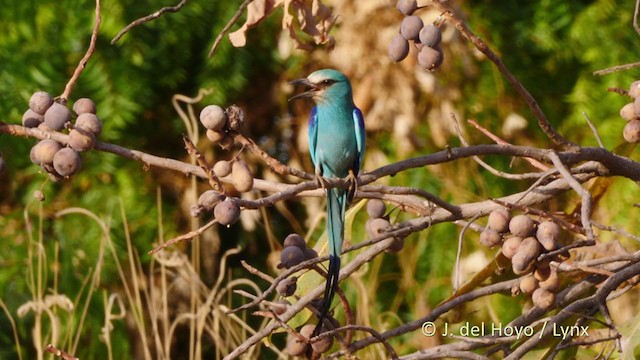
(93,267)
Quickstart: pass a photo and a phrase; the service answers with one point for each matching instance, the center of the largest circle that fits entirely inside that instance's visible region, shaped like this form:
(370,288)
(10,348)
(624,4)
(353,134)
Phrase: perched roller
(336,144)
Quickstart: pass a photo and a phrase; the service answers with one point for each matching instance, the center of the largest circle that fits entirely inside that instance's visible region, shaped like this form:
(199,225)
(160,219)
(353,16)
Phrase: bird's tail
(336,205)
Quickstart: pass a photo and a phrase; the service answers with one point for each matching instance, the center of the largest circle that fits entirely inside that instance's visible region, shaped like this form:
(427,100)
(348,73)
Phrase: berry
(287,287)
(227,212)
(323,345)
(222,168)
(296,347)
(543,299)
(490,237)
(295,240)
(209,199)
(396,245)
(280,306)
(40,102)
(430,58)
(398,48)
(407,7)
(67,162)
(241,176)
(552,282)
(31,119)
(410,27)
(376,226)
(56,116)
(528,284)
(524,259)
(521,225)
(44,151)
(543,270)
(376,208)
(81,139)
(310,254)
(631,132)
(430,35)
(510,246)
(499,220)
(628,112)
(214,136)
(84,106)
(291,256)
(634,89)
(89,122)
(548,234)
(213,117)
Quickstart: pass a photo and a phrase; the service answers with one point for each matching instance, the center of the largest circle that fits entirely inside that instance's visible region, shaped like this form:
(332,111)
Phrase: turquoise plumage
(336,145)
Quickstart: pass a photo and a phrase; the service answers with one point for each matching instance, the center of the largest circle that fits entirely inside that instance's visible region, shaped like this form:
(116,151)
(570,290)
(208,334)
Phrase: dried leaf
(257,11)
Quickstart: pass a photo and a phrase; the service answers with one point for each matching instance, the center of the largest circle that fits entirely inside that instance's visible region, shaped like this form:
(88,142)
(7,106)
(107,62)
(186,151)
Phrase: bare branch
(227,27)
(148,18)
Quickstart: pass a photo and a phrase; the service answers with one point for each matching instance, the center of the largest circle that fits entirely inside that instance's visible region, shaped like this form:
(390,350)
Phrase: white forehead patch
(316,78)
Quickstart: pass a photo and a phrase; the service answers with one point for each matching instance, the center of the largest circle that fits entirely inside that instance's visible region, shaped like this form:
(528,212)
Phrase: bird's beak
(306,83)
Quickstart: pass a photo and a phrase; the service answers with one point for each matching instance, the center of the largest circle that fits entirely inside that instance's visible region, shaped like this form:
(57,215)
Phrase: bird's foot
(321,181)
(353,184)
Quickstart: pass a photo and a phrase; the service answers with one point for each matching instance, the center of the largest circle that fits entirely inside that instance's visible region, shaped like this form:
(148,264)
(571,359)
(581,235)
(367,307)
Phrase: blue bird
(336,144)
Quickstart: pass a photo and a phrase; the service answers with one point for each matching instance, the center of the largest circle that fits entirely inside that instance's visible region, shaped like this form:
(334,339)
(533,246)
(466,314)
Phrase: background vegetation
(553,47)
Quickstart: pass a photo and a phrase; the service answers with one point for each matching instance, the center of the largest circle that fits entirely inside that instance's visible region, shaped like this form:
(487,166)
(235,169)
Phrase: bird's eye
(328,82)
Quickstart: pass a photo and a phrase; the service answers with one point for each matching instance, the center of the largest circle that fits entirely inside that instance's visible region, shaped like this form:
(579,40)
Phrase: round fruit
(407,7)
(89,122)
(31,119)
(56,116)
(548,235)
(227,212)
(528,284)
(490,237)
(376,208)
(524,259)
(295,240)
(430,58)
(45,150)
(543,270)
(222,168)
(521,225)
(634,89)
(376,226)
(287,287)
(241,176)
(552,283)
(236,117)
(214,136)
(398,48)
(628,112)
(296,347)
(323,345)
(44,127)
(543,299)
(67,162)
(510,246)
(310,254)
(307,331)
(430,35)
(213,117)
(291,256)
(631,132)
(40,101)
(410,27)
(209,199)
(499,220)
(81,139)
(84,106)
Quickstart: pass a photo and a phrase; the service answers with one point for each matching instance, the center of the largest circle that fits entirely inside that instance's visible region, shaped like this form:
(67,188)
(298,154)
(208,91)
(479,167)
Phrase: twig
(147,18)
(512,79)
(593,129)
(187,236)
(456,271)
(85,59)
(227,27)
(214,181)
(585,210)
(60,353)
(256,272)
(535,163)
(348,328)
(617,68)
(635,17)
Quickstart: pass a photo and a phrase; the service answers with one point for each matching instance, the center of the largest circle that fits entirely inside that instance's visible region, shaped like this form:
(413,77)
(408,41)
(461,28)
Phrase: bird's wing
(358,121)
(313,134)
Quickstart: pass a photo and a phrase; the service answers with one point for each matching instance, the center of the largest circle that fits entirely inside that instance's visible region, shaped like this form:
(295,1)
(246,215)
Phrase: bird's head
(324,85)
